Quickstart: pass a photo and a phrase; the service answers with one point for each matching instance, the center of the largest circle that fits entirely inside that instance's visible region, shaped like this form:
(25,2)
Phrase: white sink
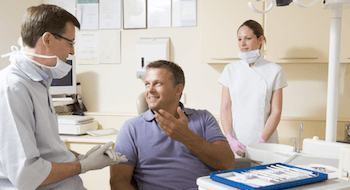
(314,152)
(266,153)
(306,159)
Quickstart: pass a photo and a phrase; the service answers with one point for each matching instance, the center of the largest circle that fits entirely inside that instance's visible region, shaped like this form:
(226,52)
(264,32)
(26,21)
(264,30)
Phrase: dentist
(32,156)
(251,101)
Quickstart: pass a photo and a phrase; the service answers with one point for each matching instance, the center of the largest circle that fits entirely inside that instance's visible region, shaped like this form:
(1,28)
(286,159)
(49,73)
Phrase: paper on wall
(110,14)
(68,5)
(87,14)
(88,47)
(109,46)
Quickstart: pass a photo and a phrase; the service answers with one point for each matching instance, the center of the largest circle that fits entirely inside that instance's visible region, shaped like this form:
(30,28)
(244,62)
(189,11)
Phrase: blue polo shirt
(159,161)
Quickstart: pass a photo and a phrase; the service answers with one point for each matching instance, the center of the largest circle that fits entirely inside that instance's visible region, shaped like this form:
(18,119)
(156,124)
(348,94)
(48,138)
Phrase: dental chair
(141,103)
(141,106)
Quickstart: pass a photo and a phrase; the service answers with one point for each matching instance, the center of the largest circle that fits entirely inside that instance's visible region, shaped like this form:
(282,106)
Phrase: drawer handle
(348,57)
(233,58)
(297,58)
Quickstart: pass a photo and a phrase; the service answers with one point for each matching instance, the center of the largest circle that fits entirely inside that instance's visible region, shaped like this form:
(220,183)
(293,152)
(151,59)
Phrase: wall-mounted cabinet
(219,22)
(295,34)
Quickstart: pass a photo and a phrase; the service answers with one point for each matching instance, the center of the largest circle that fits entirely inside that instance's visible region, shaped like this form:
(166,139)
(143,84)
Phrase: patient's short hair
(175,70)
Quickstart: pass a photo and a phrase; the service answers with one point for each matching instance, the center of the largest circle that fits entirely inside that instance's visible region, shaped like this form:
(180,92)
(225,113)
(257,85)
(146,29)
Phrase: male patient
(169,146)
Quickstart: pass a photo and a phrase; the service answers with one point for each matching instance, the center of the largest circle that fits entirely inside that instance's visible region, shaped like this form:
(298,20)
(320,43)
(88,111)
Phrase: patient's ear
(178,89)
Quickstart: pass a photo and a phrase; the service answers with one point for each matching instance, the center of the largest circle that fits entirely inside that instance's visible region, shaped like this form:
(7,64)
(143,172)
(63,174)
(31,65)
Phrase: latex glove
(100,158)
(260,140)
(82,156)
(235,145)
(116,156)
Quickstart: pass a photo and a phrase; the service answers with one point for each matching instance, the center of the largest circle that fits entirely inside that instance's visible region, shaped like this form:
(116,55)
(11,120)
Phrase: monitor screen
(67,84)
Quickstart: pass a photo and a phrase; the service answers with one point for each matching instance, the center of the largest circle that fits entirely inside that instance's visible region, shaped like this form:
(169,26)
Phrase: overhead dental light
(283,2)
(336,7)
(280,3)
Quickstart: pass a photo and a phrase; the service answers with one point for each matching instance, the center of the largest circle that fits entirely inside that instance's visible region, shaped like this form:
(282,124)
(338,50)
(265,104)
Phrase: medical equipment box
(75,125)
(149,50)
(344,164)
(270,176)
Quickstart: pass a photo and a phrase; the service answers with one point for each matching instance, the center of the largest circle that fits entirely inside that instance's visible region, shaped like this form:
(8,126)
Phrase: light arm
(303,5)
(250,4)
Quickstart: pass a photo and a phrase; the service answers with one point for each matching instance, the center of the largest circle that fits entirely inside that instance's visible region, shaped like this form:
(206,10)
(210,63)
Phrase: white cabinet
(295,34)
(218,24)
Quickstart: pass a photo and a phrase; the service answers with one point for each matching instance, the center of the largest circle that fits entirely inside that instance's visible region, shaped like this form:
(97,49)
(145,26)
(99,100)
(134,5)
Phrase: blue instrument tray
(231,177)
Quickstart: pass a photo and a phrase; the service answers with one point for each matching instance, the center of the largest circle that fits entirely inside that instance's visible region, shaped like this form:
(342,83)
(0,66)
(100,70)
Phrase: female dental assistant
(251,102)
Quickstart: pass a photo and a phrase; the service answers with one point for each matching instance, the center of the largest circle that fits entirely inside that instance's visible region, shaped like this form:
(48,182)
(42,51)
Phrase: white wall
(117,86)
(11,13)
(114,88)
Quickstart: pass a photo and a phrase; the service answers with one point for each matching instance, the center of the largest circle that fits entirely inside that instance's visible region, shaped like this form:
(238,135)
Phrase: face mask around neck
(60,70)
(249,56)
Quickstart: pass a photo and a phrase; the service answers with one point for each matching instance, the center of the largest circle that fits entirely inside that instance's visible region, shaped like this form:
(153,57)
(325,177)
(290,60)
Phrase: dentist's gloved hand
(235,145)
(101,158)
(260,140)
(116,156)
(82,156)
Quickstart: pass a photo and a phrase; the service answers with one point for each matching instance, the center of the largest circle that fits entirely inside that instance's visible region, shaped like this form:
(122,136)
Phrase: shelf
(62,103)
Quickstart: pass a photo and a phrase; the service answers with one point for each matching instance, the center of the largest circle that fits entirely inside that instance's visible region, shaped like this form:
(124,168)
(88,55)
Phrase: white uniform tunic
(29,138)
(251,91)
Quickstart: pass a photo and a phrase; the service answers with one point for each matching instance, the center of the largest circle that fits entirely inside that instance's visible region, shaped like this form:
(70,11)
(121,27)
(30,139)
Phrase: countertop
(205,183)
(88,139)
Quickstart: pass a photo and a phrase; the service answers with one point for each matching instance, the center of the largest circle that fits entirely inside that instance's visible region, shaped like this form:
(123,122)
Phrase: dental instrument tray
(270,176)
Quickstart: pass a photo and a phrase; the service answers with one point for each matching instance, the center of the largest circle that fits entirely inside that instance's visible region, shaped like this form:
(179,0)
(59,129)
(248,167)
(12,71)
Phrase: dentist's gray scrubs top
(29,139)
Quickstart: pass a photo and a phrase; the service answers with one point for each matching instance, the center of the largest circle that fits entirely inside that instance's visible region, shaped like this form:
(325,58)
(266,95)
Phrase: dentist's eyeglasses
(71,42)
